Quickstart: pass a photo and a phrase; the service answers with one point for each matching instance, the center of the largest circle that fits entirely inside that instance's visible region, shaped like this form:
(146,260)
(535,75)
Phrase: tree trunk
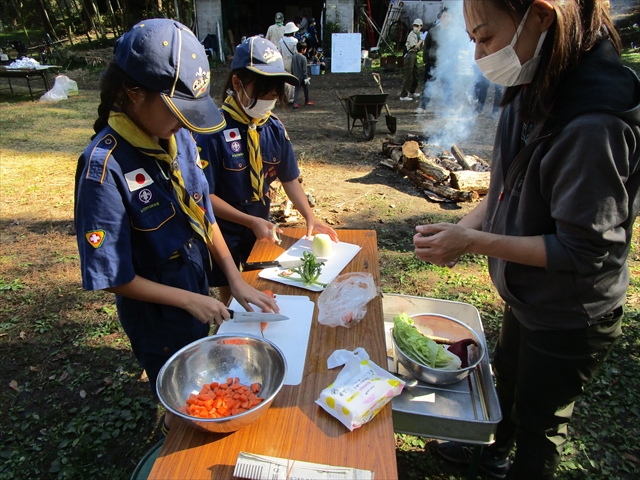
(46,22)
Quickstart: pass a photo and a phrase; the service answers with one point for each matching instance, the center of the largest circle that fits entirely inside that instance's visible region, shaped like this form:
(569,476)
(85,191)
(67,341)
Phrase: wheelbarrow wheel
(369,128)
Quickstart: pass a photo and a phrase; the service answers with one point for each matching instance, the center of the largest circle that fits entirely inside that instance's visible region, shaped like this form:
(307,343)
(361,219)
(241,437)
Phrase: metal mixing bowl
(214,359)
(441,326)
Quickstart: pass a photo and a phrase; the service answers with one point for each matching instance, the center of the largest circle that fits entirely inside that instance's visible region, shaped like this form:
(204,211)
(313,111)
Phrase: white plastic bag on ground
(344,301)
(62,89)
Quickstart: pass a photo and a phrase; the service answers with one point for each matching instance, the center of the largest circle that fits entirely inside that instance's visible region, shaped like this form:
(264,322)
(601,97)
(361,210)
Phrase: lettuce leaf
(421,348)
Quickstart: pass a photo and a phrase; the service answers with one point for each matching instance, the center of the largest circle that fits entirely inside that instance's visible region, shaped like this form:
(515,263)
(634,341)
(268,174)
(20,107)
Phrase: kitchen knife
(285,264)
(256,316)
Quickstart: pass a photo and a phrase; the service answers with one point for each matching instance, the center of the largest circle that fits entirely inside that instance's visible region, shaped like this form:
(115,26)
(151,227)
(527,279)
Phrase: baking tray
(467,411)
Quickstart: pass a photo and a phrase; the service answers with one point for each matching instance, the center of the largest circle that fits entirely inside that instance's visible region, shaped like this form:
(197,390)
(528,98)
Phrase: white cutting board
(342,253)
(291,336)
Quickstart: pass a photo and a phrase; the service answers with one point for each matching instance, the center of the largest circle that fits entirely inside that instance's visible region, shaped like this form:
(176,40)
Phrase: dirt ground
(341,170)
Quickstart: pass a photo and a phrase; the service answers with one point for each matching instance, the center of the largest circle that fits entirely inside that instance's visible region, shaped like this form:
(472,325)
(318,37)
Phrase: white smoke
(451,90)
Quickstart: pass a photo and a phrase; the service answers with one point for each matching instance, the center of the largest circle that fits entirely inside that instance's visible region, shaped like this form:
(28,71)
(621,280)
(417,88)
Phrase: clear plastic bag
(344,301)
(62,89)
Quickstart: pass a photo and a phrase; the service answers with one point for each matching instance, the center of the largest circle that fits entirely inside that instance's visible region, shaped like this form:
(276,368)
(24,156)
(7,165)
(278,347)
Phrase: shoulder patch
(95,237)
(99,158)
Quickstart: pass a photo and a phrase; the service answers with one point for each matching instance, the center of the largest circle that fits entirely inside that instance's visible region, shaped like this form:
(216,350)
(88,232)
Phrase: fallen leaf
(52,377)
(23,335)
(628,456)
(13,384)
(63,376)
(59,356)
(98,390)
(107,381)
(33,369)
(83,394)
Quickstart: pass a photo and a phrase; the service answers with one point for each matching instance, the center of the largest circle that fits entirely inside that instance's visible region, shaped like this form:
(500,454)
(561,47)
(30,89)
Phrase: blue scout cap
(261,56)
(166,57)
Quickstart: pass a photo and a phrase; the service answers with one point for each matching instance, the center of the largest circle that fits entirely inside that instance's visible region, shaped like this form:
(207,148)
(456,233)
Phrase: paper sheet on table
(291,336)
(263,467)
(342,253)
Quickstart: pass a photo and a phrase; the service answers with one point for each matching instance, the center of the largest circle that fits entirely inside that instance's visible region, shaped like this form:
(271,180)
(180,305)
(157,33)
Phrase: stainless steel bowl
(214,359)
(441,326)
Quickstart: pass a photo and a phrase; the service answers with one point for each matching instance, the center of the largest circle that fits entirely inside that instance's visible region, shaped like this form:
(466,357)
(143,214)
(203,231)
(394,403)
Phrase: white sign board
(346,52)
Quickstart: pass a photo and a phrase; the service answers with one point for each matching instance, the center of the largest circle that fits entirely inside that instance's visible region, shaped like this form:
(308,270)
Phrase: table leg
(475,461)
(29,84)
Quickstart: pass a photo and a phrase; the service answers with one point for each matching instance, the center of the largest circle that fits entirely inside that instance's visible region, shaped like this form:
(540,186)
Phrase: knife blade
(256,316)
(248,266)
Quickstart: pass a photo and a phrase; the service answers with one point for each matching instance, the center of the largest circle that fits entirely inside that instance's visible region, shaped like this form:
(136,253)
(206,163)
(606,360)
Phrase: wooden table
(28,74)
(295,427)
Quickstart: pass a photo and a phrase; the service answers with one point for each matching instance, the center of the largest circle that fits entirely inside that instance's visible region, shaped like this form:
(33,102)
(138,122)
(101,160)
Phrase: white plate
(342,253)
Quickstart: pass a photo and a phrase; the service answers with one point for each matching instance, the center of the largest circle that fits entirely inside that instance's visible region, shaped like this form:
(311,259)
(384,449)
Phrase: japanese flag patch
(232,134)
(95,238)
(138,179)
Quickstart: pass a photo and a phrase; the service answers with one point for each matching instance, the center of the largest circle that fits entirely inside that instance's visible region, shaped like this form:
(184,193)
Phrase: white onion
(322,245)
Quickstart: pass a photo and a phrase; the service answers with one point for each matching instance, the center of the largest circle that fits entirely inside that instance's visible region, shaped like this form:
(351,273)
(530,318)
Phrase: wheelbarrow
(363,109)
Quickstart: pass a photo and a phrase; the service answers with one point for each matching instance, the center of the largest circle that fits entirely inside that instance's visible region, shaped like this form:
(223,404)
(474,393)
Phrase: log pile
(441,175)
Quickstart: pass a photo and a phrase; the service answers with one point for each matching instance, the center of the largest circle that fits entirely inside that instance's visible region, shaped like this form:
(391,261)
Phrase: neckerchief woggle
(231,106)
(128,130)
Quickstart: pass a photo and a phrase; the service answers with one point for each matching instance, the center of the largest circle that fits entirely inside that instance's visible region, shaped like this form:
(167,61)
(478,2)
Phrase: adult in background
(303,23)
(436,36)
(481,89)
(287,48)
(557,222)
(411,74)
(276,31)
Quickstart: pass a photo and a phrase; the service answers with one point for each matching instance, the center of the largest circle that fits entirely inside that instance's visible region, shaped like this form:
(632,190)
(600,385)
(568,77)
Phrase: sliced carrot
(255,387)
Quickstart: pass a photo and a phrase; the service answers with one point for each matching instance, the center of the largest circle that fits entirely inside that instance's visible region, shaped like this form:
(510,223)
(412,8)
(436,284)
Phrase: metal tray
(467,411)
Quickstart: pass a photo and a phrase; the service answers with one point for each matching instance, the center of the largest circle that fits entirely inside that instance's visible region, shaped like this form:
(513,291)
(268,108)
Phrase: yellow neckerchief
(128,130)
(236,111)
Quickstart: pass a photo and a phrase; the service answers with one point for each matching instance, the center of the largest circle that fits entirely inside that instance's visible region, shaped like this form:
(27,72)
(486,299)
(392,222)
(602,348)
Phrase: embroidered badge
(235,146)
(201,83)
(271,55)
(138,179)
(145,196)
(95,238)
(202,163)
(232,134)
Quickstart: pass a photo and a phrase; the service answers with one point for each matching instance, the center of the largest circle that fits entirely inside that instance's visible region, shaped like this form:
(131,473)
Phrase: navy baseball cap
(166,57)
(261,56)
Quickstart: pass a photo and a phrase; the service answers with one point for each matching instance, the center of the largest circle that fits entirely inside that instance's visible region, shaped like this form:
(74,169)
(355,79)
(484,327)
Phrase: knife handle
(230,313)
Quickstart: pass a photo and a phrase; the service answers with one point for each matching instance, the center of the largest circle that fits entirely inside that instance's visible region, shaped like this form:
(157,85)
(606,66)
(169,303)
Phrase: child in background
(299,70)
(254,150)
(143,218)
(318,59)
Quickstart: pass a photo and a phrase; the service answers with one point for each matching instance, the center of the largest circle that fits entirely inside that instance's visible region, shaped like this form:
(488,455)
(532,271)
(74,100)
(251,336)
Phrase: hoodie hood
(600,83)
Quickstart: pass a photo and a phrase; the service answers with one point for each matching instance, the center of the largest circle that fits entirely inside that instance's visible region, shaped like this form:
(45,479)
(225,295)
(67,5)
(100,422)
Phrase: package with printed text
(361,389)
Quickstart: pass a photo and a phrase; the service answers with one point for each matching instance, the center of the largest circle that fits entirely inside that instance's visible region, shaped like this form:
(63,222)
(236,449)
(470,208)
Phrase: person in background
(312,38)
(287,49)
(413,44)
(557,222)
(303,23)
(436,36)
(299,70)
(253,151)
(144,222)
(481,88)
(276,31)
(318,59)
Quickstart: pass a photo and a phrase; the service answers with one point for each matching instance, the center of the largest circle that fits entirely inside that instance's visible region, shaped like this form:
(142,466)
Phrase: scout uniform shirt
(225,161)
(129,221)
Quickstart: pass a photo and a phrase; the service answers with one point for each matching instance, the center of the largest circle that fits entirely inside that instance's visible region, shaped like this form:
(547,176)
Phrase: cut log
(460,158)
(414,159)
(421,181)
(471,181)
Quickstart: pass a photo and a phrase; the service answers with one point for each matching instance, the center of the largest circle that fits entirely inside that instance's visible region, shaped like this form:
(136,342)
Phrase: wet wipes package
(361,389)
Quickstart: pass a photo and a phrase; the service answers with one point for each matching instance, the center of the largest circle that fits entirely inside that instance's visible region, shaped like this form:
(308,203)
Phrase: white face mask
(503,67)
(261,109)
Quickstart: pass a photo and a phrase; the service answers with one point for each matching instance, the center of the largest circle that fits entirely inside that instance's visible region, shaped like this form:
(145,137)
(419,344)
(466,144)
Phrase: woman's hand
(207,309)
(442,243)
(245,294)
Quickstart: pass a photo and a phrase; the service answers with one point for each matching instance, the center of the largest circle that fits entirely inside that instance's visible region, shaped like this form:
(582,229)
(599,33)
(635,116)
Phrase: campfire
(442,175)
